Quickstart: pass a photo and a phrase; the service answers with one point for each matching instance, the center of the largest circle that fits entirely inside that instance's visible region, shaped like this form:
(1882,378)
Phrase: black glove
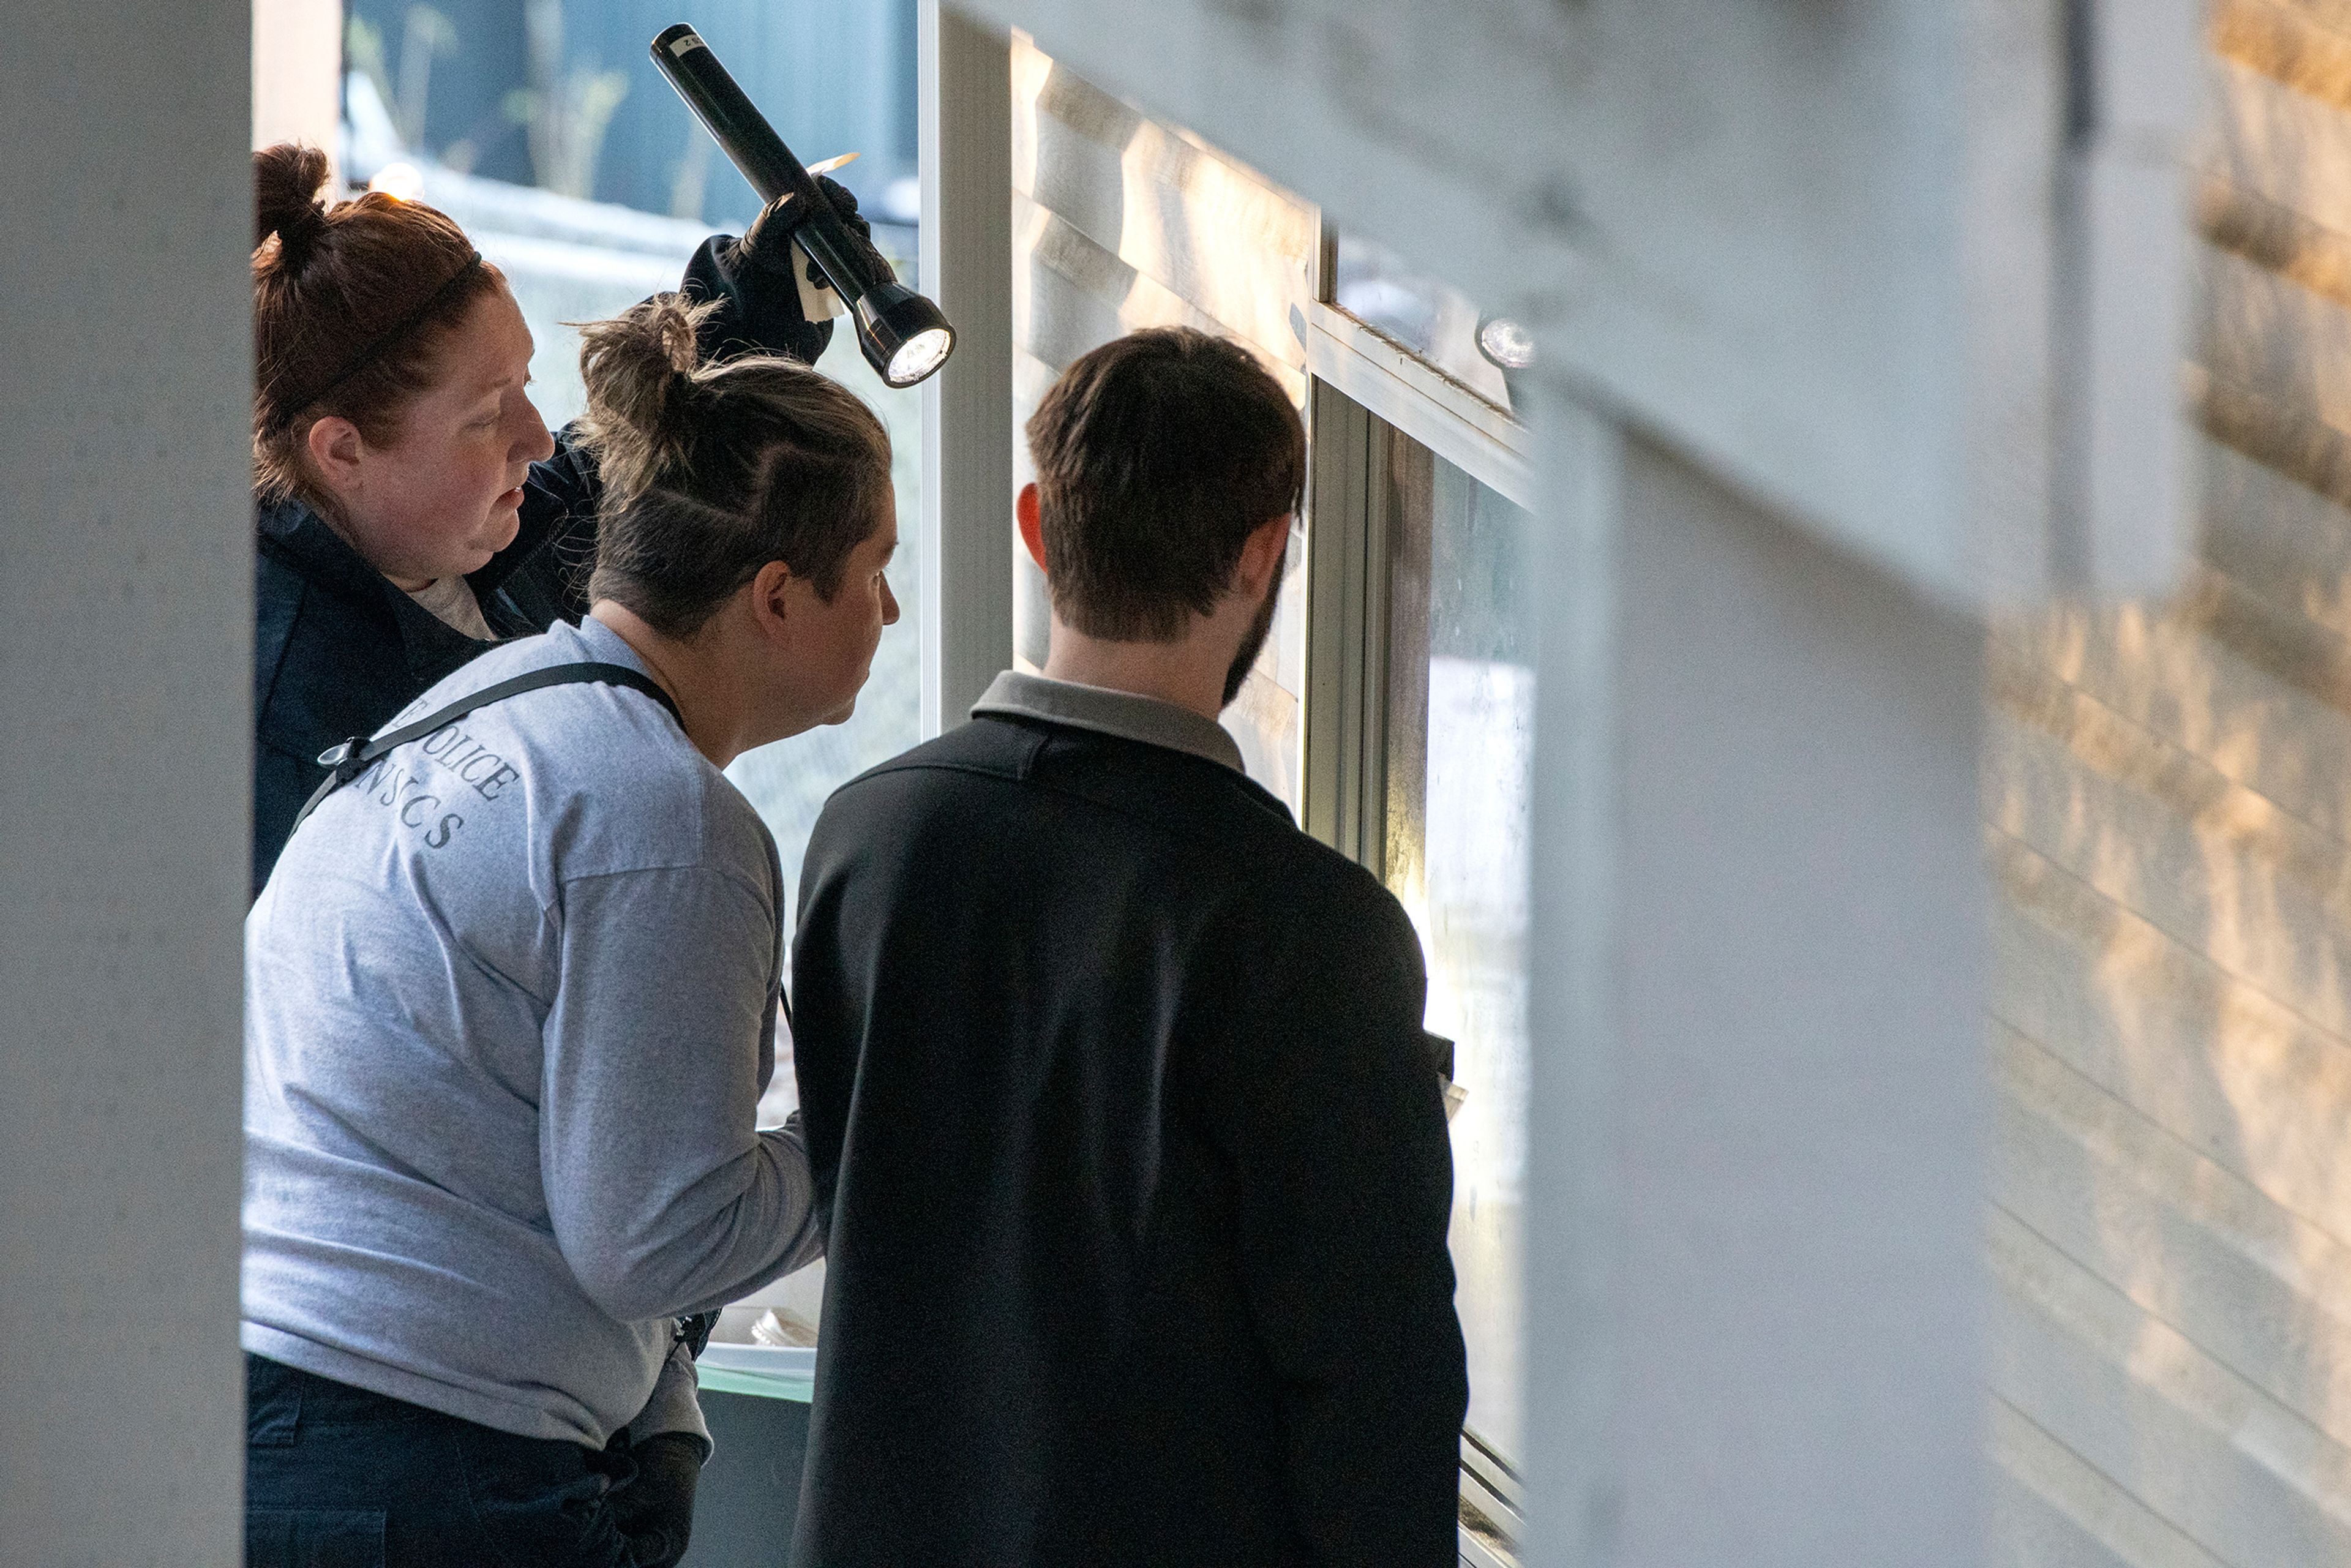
(769,239)
(758,304)
(655,1507)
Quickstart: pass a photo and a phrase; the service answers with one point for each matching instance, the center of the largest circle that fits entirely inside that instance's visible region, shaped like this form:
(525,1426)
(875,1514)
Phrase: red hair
(352,303)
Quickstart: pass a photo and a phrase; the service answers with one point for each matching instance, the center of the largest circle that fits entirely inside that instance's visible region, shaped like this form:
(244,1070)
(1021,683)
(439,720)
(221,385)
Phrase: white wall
(1839,253)
(125,627)
(1755,1141)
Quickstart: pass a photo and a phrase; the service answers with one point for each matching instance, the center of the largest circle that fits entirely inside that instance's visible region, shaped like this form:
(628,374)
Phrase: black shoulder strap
(348,759)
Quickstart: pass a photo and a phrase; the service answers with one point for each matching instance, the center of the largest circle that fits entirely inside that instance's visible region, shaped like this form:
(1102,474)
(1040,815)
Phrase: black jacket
(1138,1171)
(337,650)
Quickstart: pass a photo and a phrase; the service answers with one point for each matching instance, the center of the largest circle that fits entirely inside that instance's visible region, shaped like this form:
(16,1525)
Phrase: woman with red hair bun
(412,509)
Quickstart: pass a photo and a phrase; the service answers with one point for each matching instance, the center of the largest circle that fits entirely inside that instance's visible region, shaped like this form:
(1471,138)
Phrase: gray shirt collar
(1123,714)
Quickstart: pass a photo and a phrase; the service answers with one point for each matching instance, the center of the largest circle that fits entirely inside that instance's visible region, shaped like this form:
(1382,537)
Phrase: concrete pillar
(1755,1173)
(126,615)
(966,270)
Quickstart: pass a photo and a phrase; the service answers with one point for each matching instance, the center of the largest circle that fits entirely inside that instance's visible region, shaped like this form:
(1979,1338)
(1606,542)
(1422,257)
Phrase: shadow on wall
(2168,809)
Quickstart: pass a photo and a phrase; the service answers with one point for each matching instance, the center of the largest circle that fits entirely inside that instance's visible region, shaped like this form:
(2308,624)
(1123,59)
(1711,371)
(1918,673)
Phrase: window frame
(1365,393)
(1487,442)
(1363,389)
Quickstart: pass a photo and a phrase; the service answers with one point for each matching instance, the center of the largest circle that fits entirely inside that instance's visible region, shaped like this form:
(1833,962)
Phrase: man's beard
(1254,643)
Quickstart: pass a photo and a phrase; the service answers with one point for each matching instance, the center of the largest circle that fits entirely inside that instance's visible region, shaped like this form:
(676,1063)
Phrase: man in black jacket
(1116,1080)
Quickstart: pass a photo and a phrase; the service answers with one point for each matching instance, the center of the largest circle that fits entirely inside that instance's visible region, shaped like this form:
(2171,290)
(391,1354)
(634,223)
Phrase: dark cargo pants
(337,1477)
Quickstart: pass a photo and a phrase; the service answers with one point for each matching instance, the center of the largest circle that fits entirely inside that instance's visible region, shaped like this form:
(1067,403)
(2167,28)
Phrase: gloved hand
(656,1509)
(769,239)
(759,298)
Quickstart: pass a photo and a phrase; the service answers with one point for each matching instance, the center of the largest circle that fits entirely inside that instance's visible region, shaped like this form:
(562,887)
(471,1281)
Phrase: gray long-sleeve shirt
(510,998)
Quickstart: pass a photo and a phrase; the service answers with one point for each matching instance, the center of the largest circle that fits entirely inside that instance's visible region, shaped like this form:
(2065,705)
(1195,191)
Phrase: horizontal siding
(2200,1448)
(2276,337)
(1129,222)
(2051,1508)
(2206,1058)
(2278,539)
(2265,139)
(2184,1239)
(1119,223)
(2167,796)
(2219,673)
(2216,866)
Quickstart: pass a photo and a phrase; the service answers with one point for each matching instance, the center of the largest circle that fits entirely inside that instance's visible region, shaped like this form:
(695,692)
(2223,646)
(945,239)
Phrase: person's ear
(771,590)
(1032,529)
(1261,555)
(335,448)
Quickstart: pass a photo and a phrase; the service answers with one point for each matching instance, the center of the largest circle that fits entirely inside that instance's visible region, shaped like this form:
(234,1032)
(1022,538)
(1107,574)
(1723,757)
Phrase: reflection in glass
(1460,735)
(558,96)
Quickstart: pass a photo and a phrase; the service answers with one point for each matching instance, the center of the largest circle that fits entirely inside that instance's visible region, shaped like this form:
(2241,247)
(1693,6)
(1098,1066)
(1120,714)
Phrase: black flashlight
(902,335)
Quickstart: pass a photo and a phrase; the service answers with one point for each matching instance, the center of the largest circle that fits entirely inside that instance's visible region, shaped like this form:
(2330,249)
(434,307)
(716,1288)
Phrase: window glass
(1459,759)
(559,96)
(543,128)
(789,783)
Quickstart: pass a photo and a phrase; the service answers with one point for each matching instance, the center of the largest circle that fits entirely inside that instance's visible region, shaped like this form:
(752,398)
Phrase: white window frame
(964,147)
(1363,389)
(1449,418)
(1362,384)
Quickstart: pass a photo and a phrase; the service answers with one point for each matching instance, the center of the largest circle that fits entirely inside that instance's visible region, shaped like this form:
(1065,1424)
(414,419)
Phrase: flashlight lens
(1506,343)
(918,356)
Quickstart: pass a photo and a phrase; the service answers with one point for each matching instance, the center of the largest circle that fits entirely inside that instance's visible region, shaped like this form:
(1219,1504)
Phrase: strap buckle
(346,759)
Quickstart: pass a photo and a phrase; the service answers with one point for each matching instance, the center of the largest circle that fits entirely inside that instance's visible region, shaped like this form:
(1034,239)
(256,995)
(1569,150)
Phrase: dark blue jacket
(337,650)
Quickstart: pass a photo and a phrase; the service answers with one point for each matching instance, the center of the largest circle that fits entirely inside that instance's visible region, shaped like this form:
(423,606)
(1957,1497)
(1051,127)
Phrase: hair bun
(679,328)
(287,180)
(639,369)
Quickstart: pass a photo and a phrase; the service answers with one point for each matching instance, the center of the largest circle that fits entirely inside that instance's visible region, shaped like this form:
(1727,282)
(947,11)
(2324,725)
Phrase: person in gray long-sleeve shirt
(510,1002)
(524,1080)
